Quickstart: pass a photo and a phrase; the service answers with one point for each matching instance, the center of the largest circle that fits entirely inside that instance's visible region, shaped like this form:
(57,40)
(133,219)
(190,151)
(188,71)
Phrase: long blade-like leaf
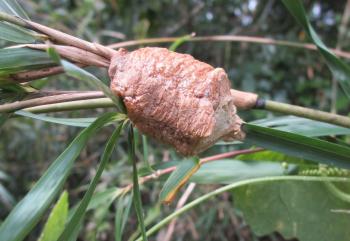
(12,7)
(13,33)
(15,60)
(302,126)
(178,178)
(78,73)
(31,208)
(79,122)
(340,70)
(77,218)
(136,189)
(57,219)
(298,145)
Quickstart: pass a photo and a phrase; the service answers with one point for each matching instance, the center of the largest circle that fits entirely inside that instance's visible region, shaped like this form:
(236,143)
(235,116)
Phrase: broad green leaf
(78,73)
(15,60)
(298,146)
(77,218)
(57,219)
(136,189)
(79,122)
(306,211)
(12,7)
(339,69)
(183,172)
(229,171)
(25,215)
(302,126)
(232,186)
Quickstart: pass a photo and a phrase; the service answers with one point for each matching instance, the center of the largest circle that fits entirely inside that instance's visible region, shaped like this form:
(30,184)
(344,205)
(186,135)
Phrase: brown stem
(36,74)
(66,39)
(168,170)
(11,107)
(226,38)
(74,54)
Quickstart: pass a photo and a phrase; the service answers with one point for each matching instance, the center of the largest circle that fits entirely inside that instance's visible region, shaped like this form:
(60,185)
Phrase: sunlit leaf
(57,219)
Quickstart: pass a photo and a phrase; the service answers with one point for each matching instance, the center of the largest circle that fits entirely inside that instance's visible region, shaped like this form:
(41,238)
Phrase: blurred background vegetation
(284,74)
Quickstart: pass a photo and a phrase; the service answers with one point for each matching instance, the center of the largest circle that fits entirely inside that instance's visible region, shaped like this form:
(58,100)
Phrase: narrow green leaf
(13,33)
(302,126)
(25,215)
(339,69)
(178,178)
(12,7)
(136,189)
(15,60)
(121,216)
(77,217)
(57,219)
(298,145)
(79,122)
(78,73)
(180,41)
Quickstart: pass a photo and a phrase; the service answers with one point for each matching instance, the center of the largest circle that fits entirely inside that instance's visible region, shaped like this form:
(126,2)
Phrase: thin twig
(36,74)
(72,105)
(183,199)
(307,113)
(74,54)
(168,170)
(11,107)
(227,38)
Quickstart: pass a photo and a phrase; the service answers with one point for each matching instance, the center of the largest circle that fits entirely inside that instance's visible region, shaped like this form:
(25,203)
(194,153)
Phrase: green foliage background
(297,76)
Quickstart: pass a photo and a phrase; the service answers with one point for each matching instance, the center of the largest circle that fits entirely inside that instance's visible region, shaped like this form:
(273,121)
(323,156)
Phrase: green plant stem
(266,104)
(235,185)
(73,105)
(52,99)
(306,113)
(14,20)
